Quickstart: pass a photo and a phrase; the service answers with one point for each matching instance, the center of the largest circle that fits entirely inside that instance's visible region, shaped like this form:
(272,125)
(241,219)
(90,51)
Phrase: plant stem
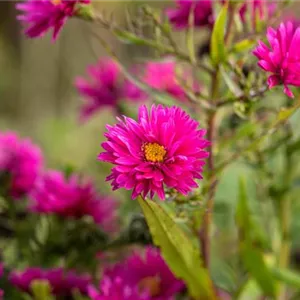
(284,219)
(212,184)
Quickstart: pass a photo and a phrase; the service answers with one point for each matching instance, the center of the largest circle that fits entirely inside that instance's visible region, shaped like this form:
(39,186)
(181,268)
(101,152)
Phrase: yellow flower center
(151,285)
(154,152)
(56,2)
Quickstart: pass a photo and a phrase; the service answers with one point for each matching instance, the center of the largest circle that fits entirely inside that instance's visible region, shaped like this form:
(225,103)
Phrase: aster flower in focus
(20,162)
(71,198)
(116,289)
(202,9)
(39,16)
(105,88)
(164,147)
(149,274)
(281,58)
(162,76)
(62,283)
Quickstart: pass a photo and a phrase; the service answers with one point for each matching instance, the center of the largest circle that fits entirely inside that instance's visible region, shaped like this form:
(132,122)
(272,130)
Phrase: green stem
(212,183)
(284,219)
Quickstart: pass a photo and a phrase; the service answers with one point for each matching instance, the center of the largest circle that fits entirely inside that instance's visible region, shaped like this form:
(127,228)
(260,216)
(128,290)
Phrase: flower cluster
(68,197)
(63,283)
(164,147)
(39,16)
(21,162)
(147,276)
(282,58)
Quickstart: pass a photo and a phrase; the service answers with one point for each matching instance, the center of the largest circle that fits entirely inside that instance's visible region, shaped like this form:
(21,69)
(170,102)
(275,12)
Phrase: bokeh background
(39,100)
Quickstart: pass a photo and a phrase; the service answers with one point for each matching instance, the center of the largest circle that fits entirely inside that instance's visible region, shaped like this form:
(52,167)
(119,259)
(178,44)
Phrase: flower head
(162,76)
(62,283)
(202,9)
(55,194)
(282,58)
(105,88)
(39,16)
(164,146)
(149,274)
(21,161)
(258,10)
(116,289)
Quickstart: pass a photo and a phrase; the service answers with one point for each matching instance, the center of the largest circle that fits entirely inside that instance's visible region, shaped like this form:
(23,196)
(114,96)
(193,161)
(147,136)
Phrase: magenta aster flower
(54,194)
(39,16)
(106,88)
(21,161)
(149,274)
(164,146)
(116,289)
(202,9)
(62,283)
(282,58)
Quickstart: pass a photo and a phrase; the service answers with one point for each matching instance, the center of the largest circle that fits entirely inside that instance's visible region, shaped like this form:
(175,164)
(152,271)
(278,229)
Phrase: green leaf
(252,257)
(242,46)
(256,266)
(287,276)
(217,44)
(178,251)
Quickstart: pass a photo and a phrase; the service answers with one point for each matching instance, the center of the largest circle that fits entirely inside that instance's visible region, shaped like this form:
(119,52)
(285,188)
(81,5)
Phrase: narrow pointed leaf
(252,256)
(217,45)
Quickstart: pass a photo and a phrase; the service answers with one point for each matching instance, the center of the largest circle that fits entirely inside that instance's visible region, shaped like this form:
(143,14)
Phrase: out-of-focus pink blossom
(281,58)
(116,289)
(146,275)
(71,198)
(21,161)
(63,283)
(39,16)
(202,10)
(106,87)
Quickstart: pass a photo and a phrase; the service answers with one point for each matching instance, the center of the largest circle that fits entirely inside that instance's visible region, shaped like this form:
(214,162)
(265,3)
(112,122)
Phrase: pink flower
(39,16)
(148,274)
(70,198)
(62,283)
(115,289)
(282,58)
(164,147)
(106,88)
(258,10)
(162,76)
(21,161)
(202,9)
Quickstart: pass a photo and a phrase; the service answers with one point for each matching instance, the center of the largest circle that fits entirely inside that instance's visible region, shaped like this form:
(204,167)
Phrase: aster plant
(183,119)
